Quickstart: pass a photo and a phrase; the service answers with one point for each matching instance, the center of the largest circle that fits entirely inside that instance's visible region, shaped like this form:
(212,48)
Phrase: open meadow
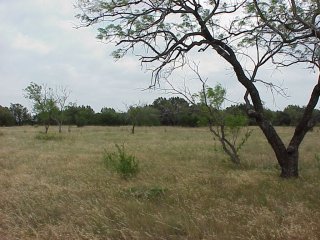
(58,187)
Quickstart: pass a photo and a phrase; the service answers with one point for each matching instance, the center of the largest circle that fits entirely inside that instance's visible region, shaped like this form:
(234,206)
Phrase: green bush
(121,162)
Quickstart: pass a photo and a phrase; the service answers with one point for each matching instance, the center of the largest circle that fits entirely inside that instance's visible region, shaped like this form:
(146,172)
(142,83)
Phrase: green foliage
(295,113)
(42,98)
(225,125)
(20,114)
(79,115)
(34,93)
(236,121)
(110,117)
(215,96)
(44,103)
(121,162)
(143,116)
(175,111)
(212,98)
(6,117)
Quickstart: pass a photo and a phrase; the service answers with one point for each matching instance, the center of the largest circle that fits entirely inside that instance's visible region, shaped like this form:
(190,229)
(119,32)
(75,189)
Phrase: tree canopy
(44,103)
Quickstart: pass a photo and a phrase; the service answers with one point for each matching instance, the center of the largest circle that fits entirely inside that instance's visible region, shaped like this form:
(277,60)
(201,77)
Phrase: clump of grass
(48,137)
(144,192)
(1,134)
(123,163)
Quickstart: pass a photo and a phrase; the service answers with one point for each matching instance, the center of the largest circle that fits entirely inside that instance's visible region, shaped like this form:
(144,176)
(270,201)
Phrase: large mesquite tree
(292,30)
(163,32)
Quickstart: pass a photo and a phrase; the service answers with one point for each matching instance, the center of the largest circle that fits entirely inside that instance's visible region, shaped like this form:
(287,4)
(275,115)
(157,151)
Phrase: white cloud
(27,43)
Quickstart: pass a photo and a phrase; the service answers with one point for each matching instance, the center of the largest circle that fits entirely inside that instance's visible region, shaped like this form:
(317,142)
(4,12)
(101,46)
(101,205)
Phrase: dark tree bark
(46,128)
(289,167)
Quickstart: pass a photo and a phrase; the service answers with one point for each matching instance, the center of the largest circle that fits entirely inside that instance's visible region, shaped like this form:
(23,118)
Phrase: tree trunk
(132,130)
(47,127)
(230,150)
(289,167)
(288,157)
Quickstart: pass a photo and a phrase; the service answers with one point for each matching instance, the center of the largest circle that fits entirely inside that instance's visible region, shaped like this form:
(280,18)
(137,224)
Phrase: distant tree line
(174,111)
(15,115)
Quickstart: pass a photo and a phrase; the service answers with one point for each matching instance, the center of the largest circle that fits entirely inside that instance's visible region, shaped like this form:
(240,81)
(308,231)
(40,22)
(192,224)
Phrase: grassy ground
(57,187)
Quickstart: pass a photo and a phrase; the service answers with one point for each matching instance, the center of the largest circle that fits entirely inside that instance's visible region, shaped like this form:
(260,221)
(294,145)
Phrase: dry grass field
(58,187)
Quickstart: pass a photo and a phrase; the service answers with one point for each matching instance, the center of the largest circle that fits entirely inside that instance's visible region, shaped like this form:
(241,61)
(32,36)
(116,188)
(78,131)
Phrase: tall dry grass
(57,187)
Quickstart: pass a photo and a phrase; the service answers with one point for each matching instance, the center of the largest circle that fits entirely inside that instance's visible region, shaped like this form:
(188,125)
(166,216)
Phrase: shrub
(121,162)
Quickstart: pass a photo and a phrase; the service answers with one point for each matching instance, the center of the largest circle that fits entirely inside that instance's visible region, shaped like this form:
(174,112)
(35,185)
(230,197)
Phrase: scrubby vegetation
(174,111)
(123,163)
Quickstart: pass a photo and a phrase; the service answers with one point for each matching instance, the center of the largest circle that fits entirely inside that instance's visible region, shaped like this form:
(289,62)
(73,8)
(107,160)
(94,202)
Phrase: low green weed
(123,163)
(48,137)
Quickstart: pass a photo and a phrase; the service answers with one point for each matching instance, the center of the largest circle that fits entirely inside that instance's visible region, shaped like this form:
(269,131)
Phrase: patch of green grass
(49,136)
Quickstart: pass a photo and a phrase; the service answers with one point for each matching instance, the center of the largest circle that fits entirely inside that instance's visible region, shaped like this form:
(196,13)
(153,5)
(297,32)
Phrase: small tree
(44,104)
(61,95)
(134,114)
(225,127)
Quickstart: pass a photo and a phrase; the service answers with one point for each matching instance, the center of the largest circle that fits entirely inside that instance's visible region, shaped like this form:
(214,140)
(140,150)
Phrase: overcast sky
(39,43)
